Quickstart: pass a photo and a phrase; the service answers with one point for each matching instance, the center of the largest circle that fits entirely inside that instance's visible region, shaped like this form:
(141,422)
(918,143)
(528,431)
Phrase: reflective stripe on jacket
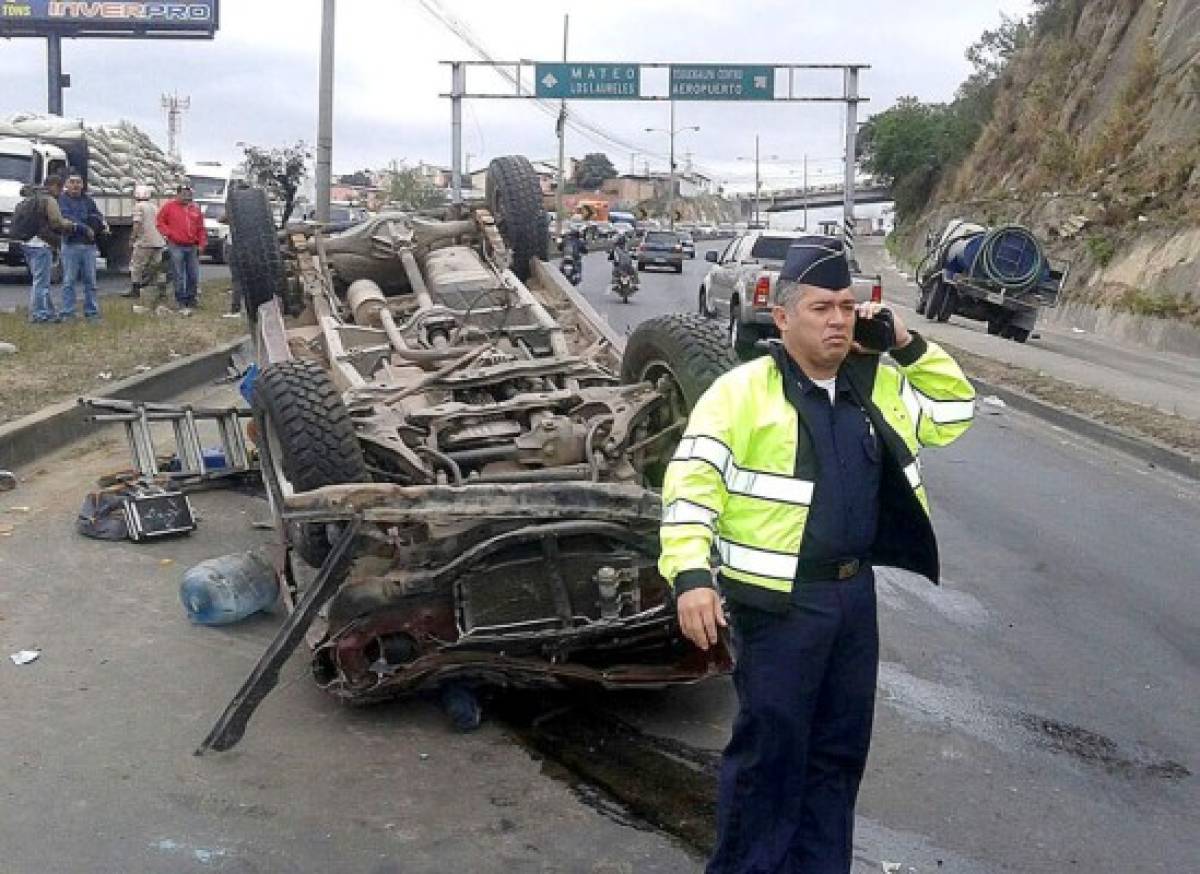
(742,478)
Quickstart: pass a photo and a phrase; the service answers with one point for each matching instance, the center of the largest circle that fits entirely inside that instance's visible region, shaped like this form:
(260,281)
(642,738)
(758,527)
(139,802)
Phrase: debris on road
(8,481)
(25,656)
(227,589)
(6,529)
(1078,331)
(994,402)
(8,349)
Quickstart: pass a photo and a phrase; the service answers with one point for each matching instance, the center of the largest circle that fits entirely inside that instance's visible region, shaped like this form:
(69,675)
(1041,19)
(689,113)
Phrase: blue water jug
(228,589)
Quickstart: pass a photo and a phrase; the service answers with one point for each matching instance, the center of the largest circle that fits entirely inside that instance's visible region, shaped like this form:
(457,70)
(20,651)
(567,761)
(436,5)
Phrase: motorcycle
(624,285)
(570,269)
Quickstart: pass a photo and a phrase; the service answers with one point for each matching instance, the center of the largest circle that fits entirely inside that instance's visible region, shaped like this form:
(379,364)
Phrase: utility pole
(757,182)
(671,175)
(175,106)
(55,80)
(458,87)
(671,131)
(806,191)
(848,228)
(562,142)
(325,113)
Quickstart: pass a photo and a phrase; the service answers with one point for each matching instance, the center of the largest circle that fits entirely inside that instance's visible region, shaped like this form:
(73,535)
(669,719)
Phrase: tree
(409,189)
(911,144)
(591,172)
(281,171)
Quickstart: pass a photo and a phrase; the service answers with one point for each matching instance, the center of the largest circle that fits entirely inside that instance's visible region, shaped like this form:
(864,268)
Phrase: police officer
(801,468)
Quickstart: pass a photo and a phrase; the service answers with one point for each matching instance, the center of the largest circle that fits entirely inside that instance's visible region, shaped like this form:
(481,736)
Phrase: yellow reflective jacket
(742,478)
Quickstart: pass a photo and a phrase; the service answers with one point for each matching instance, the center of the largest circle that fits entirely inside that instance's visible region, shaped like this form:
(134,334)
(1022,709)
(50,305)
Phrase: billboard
(195,18)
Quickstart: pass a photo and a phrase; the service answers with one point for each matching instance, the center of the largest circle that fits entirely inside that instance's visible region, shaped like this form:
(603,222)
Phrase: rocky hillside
(1094,141)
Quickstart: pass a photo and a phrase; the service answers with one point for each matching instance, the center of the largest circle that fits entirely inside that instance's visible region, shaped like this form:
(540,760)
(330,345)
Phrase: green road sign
(589,81)
(722,82)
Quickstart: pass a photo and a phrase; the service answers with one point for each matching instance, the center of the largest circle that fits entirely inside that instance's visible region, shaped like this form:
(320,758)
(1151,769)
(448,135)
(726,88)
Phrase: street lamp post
(325,113)
(671,131)
(757,177)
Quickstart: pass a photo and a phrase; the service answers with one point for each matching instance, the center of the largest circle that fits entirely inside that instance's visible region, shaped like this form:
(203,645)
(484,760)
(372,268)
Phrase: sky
(256,82)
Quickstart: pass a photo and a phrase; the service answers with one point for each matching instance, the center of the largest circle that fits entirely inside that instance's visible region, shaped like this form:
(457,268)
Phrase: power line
(575,120)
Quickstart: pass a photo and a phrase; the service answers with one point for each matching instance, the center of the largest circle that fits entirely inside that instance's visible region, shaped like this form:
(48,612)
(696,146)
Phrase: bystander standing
(146,266)
(181,222)
(39,249)
(79,248)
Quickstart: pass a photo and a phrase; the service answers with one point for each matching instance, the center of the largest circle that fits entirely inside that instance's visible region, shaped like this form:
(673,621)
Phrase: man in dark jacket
(79,248)
(39,250)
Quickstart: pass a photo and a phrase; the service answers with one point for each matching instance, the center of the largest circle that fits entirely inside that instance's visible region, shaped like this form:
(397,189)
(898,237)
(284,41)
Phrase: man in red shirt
(182,224)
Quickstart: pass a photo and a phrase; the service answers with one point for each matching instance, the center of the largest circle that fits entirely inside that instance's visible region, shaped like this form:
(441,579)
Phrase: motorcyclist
(622,260)
(574,249)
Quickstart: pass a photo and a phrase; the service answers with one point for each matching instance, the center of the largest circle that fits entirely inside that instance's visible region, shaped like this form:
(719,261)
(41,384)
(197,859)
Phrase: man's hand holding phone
(878,329)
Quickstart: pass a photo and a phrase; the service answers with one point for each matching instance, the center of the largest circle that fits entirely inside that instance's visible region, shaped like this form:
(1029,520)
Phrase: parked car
(660,249)
(739,289)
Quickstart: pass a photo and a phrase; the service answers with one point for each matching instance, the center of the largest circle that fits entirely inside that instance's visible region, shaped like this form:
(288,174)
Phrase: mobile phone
(878,333)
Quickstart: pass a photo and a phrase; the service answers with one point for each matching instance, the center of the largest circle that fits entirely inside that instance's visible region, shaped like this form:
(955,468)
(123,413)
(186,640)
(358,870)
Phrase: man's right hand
(700,616)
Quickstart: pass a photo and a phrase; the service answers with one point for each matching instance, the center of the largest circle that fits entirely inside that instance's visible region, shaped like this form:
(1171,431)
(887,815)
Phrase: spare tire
(309,441)
(514,197)
(255,262)
(686,350)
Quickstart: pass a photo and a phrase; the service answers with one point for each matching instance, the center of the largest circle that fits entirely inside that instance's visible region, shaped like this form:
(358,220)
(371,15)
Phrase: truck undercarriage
(446,401)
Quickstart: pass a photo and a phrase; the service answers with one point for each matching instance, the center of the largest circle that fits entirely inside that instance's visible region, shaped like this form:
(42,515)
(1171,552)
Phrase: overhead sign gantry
(621,80)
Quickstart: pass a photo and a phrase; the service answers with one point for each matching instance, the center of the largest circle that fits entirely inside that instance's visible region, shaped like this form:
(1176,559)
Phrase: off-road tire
(255,260)
(742,341)
(514,197)
(691,350)
(996,326)
(316,438)
(1012,332)
(118,250)
(935,301)
(948,303)
(694,348)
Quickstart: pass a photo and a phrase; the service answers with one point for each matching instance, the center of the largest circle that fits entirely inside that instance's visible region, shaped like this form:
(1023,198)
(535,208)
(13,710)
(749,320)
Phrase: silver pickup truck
(740,286)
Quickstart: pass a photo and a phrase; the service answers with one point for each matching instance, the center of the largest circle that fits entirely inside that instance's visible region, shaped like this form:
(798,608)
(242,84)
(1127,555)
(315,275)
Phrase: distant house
(369,196)
(630,189)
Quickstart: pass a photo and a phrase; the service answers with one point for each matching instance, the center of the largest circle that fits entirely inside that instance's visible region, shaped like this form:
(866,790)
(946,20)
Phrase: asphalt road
(1038,711)
(14,286)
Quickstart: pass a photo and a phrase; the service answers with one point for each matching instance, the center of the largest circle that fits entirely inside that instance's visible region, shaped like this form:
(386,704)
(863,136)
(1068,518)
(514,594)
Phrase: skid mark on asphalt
(1012,729)
(902,590)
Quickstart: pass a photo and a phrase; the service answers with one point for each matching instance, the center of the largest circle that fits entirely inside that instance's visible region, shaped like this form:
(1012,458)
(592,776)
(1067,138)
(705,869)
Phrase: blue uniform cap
(819,261)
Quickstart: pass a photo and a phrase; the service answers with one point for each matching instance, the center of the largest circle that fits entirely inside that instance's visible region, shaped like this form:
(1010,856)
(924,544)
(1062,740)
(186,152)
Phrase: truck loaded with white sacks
(462,457)
(111,158)
(1000,276)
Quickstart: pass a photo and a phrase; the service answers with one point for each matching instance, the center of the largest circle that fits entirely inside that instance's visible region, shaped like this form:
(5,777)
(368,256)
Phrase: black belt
(808,571)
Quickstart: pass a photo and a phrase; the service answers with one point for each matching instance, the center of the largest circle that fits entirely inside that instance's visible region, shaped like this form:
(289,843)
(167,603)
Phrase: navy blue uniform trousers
(805,679)
(805,682)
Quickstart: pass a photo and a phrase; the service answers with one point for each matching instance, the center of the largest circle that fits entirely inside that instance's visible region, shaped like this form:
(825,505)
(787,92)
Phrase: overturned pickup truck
(461,464)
